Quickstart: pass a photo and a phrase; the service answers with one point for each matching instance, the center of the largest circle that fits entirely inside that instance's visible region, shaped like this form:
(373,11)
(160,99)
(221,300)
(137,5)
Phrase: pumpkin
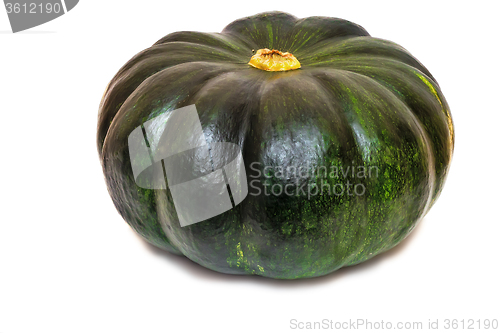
(360,115)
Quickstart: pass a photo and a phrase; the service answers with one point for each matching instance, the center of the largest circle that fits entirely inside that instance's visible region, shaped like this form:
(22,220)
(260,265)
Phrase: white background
(69,263)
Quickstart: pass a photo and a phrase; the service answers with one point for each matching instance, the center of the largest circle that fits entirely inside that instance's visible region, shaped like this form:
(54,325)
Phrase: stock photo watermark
(367,324)
(26,14)
(333,180)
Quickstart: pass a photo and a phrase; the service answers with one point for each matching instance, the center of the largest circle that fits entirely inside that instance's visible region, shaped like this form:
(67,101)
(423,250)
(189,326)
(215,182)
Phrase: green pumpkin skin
(356,101)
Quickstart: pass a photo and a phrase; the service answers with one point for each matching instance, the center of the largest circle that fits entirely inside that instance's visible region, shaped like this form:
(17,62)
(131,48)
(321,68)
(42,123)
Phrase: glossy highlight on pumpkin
(357,102)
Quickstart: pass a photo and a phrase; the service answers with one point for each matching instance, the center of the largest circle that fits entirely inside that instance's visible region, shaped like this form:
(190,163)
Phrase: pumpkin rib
(442,147)
(219,40)
(243,39)
(138,69)
(160,52)
(369,52)
(133,205)
(353,42)
(225,82)
(164,51)
(263,30)
(331,261)
(313,49)
(423,132)
(391,92)
(148,82)
(323,28)
(427,147)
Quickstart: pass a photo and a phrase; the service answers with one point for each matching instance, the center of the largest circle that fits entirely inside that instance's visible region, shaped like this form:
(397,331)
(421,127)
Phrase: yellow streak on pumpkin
(242,261)
(448,117)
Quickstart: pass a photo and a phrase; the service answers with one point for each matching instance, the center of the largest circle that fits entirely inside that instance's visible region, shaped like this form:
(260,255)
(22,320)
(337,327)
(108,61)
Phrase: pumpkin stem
(274,60)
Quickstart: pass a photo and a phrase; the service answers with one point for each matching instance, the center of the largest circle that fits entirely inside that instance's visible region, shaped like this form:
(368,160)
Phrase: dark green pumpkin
(357,101)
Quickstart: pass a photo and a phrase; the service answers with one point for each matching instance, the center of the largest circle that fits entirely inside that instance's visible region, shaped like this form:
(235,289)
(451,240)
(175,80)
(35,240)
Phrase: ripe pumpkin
(316,92)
